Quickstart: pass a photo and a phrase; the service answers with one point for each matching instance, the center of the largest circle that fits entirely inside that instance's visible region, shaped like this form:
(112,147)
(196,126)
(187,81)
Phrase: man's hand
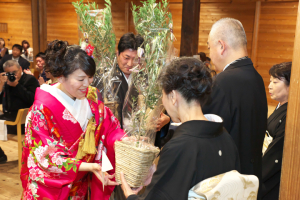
(41,81)
(12,84)
(162,121)
(3,78)
(28,71)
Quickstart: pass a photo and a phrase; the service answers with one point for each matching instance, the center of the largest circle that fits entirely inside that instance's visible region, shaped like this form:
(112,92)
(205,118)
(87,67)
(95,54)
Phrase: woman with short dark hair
(67,130)
(201,147)
(280,76)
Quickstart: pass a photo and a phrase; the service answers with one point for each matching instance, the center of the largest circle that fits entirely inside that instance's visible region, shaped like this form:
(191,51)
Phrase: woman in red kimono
(67,129)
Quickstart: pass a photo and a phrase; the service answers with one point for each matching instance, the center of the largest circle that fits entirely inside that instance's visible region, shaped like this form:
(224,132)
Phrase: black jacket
(198,150)
(22,62)
(21,96)
(272,159)
(239,97)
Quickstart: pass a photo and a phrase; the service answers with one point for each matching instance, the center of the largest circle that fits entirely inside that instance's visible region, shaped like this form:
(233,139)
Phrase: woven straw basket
(134,162)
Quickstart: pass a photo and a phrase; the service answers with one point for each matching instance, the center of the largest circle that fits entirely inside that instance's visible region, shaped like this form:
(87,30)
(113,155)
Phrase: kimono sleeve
(110,132)
(49,161)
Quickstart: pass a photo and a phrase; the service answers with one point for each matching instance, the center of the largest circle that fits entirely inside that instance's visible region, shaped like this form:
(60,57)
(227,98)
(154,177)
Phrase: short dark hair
(1,39)
(208,58)
(202,56)
(18,47)
(282,71)
(41,55)
(25,42)
(190,77)
(130,41)
(63,60)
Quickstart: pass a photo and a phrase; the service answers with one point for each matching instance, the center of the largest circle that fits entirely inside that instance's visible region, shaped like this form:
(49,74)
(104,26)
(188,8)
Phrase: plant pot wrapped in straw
(142,106)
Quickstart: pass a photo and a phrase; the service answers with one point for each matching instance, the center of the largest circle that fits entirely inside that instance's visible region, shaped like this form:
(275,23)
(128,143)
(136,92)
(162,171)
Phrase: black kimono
(198,150)
(239,97)
(272,159)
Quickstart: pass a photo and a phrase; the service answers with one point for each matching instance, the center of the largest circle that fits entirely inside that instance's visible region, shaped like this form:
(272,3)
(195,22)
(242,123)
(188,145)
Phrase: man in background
(16,55)
(239,95)
(16,93)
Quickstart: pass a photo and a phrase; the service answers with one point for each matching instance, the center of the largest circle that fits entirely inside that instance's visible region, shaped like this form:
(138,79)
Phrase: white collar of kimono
(209,117)
(79,108)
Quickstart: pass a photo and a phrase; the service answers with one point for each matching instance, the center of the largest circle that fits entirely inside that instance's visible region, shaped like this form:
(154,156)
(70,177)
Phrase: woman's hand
(97,170)
(126,188)
(162,121)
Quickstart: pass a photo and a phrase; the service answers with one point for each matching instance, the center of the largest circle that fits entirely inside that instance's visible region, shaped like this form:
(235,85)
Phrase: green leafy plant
(153,22)
(98,25)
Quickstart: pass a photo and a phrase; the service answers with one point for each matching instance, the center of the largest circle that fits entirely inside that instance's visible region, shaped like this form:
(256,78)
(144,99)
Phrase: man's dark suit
(239,97)
(22,62)
(15,98)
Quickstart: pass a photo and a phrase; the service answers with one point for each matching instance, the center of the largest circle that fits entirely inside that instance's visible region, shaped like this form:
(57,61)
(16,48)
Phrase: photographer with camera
(17,91)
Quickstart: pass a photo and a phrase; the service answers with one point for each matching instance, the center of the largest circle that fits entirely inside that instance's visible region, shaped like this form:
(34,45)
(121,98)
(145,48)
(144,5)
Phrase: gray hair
(230,31)
(11,63)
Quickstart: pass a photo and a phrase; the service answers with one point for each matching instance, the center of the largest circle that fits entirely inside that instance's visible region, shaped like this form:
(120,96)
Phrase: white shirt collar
(16,59)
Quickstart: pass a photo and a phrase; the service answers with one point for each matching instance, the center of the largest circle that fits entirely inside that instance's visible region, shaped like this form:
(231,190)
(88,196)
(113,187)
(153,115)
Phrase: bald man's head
(230,31)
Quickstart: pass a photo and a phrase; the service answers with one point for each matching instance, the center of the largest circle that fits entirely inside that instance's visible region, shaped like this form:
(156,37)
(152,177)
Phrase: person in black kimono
(200,148)
(272,158)
(238,95)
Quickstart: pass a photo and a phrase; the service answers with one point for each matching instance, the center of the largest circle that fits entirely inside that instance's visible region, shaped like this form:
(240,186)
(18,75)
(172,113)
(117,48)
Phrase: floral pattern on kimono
(49,168)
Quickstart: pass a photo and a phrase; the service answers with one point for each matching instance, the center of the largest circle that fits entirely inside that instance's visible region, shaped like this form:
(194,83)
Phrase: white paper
(106,164)
(3,130)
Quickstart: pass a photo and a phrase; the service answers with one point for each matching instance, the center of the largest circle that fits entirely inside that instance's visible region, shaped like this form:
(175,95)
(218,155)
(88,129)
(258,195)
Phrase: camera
(11,76)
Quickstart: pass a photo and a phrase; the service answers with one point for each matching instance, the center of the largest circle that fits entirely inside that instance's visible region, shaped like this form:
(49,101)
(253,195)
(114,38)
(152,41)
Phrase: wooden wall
(276,24)
(276,37)
(17,15)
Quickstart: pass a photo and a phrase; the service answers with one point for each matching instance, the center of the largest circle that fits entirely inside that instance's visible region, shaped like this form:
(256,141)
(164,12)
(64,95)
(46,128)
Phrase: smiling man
(127,51)
(239,95)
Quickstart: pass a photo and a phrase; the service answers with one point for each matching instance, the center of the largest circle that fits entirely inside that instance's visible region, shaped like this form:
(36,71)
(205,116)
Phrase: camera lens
(11,78)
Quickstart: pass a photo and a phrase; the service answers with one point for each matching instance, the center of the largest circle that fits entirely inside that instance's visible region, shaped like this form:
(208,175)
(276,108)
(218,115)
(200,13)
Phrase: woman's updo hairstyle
(63,60)
(282,71)
(190,77)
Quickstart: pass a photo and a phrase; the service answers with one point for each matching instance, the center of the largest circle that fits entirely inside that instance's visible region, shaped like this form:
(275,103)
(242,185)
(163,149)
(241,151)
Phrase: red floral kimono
(49,168)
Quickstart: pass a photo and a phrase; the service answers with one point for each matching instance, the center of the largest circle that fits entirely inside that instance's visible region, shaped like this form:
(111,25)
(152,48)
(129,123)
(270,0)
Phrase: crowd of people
(223,119)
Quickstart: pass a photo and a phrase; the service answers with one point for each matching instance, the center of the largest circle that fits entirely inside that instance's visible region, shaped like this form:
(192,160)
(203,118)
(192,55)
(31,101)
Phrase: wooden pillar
(190,27)
(126,17)
(39,26)
(255,34)
(290,174)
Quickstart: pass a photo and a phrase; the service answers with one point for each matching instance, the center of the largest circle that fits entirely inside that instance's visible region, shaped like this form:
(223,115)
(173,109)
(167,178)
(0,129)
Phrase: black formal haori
(272,159)
(239,97)
(198,150)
